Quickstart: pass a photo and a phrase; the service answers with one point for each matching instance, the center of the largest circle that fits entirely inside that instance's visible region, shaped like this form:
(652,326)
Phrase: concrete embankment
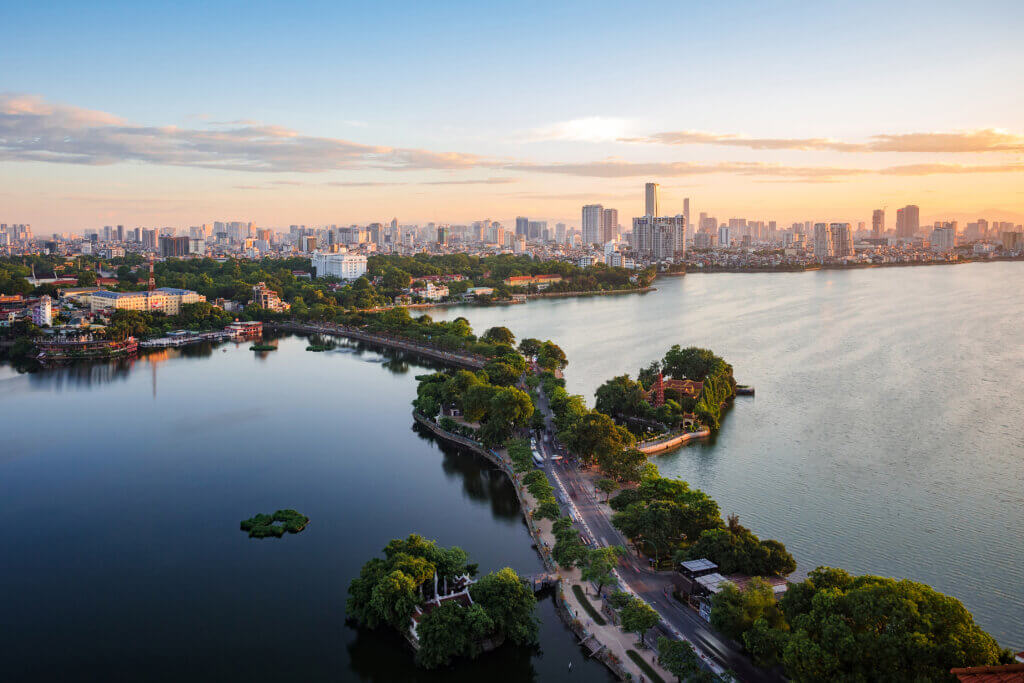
(659,445)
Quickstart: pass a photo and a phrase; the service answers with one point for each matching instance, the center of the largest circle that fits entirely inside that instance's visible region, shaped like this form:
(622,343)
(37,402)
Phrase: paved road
(649,585)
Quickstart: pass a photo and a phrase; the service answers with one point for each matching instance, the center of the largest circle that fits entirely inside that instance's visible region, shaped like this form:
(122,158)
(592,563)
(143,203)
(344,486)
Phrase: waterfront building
(541,281)
(343,266)
(877,223)
(651,199)
(166,300)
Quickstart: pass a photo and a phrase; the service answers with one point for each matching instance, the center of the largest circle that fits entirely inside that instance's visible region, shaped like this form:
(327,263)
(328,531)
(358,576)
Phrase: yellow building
(166,300)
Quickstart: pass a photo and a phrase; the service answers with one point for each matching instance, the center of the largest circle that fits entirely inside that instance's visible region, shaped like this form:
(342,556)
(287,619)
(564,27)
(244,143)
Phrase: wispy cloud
(485,181)
(983,140)
(616,168)
(32,129)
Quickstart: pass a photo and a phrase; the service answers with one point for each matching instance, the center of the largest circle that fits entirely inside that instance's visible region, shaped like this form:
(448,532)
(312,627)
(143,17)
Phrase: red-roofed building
(684,387)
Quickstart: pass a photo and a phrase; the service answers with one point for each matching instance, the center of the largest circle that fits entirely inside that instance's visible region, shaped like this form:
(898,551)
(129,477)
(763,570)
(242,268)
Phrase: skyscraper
(686,211)
(659,238)
(842,239)
(908,221)
(651,199)
(522,225)
(609,225)
(592,215)
(823,248)
(877,223)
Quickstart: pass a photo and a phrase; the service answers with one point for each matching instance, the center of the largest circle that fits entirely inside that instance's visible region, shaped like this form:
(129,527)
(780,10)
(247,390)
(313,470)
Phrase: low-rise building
(343,266)
(268,299)
(540,281)
(166,300)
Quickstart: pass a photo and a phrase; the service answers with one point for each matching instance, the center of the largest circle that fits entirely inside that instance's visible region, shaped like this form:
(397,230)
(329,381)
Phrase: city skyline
(336,115)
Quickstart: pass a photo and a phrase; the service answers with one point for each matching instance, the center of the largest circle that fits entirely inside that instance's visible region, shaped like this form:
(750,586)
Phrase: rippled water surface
(122,486)
(887,434)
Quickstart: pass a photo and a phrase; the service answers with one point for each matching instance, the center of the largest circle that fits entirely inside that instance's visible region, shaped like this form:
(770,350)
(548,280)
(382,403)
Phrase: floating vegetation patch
(263,347)
(263,526)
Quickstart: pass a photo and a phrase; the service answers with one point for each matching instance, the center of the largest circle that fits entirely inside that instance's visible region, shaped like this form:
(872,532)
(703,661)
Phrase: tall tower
(609,225)
(592,215)
(651,199)
(877,223)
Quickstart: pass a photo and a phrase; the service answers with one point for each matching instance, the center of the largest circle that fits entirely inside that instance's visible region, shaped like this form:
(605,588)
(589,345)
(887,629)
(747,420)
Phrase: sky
(176,114)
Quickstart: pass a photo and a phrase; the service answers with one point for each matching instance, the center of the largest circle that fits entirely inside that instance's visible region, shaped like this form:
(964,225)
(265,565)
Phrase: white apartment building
(343,266)
(42,313)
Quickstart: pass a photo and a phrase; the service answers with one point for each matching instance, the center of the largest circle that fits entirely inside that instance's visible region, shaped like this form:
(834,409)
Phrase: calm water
(121,490)
(887,435)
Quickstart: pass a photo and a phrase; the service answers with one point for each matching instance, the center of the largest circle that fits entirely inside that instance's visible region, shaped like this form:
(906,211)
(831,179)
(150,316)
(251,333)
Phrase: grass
(263,347)
(582,597)
(644,666)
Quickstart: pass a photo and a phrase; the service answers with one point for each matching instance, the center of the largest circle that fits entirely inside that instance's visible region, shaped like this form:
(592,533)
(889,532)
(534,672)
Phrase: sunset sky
(177,114)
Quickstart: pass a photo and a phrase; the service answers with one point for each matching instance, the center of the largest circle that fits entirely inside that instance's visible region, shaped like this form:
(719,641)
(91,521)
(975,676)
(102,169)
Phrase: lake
(887,433)
(122,486)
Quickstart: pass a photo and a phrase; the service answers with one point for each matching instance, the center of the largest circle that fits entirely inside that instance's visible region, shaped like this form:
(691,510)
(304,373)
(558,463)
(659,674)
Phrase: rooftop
(698,565)
(1009,673)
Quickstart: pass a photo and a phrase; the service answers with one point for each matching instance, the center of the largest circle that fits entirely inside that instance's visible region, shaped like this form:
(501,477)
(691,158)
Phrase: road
(654,587)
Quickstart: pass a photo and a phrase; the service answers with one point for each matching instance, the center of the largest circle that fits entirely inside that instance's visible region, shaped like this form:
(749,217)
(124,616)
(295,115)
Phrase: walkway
(467,360)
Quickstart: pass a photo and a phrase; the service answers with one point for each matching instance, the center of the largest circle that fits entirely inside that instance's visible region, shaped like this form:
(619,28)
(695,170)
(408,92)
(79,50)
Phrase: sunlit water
(122,486)
(887,434)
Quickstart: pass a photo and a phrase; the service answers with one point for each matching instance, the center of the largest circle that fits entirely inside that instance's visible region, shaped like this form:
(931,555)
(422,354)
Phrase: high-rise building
(536,230)
(877,223)
(842,239)
(659,238)
(943,237)
(823,248)
(724,236)
(651,199)
(173,246)
(522,226)
(592,215)
(686,211)
(560,233)
(908,221)
(609,225)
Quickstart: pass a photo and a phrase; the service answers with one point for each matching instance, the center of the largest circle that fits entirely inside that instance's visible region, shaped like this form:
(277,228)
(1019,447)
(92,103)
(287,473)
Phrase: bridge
(541,581)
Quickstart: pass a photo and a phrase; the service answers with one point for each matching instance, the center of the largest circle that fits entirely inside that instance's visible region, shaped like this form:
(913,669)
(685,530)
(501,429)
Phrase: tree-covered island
(275,525)
(430,594)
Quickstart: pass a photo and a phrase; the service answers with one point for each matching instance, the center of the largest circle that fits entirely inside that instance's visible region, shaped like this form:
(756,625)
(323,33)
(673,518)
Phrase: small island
(265,526)
(260,346)
(430,595)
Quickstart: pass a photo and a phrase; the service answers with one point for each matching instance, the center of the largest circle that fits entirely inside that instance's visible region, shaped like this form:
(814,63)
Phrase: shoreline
(857,266)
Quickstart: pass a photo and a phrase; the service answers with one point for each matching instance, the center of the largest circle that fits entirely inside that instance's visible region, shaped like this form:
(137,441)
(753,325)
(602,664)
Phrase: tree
(596,434)
(394,599)
(501,373)
(599,564)
(548,509)
(623,465)
(678,657)
(733,612)
(551,357)
(619,396)
(851,628)
(395,279)
(608,486)
(530,346)
(509,603)
(638,617)
(499,335)
(451,630)
(86,278)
